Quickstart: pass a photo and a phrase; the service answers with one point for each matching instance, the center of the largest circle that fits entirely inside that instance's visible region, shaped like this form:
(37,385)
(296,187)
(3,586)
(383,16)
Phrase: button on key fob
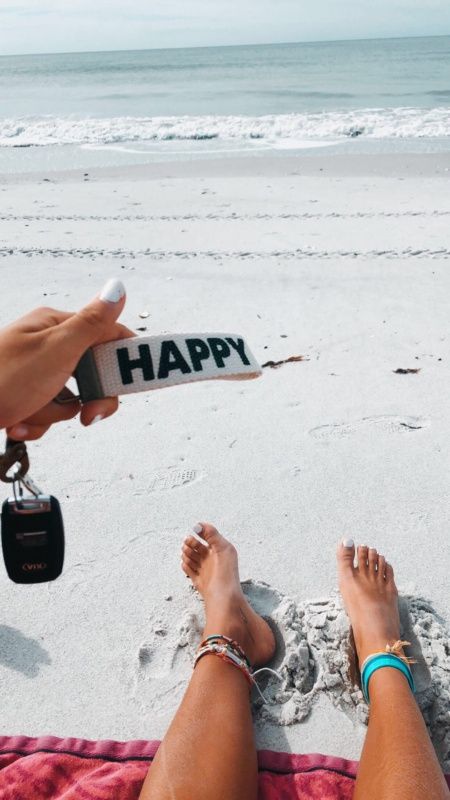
(33,538)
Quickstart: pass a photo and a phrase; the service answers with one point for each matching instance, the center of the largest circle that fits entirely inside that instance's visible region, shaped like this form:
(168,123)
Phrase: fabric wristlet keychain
(155,362)
(32,524)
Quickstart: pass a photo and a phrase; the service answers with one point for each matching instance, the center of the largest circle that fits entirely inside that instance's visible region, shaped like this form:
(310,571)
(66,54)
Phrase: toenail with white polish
(198,528)
(348,543)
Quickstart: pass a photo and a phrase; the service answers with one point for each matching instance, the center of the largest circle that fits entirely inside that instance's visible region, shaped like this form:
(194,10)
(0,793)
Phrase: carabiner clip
(26,480)
(16,454)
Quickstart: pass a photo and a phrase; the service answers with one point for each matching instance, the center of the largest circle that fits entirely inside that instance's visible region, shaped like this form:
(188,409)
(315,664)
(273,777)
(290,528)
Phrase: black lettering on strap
(198,351)
(220,350)
(171,358)
(239,346)
(127,364)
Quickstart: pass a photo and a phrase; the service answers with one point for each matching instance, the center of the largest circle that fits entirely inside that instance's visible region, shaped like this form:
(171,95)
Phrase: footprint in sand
(165,660)
(385,423)
(171,479)
(153,658)
(166,479)
(164,650)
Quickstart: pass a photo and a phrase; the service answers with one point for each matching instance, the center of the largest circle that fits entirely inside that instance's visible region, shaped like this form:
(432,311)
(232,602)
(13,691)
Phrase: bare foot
(370,598)
(213,570)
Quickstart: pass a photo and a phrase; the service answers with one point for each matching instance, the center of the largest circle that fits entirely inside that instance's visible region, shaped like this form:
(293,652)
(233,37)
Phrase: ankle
(367,647)
(234,629)
(388,681)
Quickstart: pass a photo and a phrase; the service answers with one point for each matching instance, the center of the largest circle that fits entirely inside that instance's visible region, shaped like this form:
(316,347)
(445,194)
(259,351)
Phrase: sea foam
(270,129)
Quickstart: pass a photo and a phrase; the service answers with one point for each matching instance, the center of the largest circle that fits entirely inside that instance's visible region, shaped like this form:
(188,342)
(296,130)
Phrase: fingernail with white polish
(113,291)
(98,418)
(348,543)
(198,528)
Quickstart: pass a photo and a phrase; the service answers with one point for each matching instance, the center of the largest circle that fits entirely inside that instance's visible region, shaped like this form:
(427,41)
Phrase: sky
(45,26)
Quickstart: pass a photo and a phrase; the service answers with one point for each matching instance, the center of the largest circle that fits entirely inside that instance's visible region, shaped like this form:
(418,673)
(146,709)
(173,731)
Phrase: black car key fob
(33,538)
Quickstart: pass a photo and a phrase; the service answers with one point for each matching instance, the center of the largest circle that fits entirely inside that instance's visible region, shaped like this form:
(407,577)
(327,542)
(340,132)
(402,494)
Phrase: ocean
(158,104)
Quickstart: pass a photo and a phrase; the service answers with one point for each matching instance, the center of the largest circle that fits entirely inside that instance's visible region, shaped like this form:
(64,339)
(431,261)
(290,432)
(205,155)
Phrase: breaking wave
(270,129)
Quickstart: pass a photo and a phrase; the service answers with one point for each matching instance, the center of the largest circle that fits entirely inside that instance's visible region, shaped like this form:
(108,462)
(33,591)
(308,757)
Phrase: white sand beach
(342,259)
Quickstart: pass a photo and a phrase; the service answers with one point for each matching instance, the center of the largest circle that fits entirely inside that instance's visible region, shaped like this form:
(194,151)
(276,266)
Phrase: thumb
(95,322)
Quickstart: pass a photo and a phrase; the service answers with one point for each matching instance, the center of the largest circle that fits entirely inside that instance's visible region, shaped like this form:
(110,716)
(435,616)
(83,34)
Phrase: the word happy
(200,355)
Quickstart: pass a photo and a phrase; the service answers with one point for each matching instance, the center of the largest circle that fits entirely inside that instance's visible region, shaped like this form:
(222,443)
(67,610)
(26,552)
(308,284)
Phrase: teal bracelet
(379,660)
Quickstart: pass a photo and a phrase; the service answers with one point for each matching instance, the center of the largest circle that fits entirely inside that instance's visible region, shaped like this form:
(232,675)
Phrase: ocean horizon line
(226,46)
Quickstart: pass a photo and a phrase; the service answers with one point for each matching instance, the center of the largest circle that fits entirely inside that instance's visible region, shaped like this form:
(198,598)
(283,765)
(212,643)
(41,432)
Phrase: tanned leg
(209,750)
(398,761)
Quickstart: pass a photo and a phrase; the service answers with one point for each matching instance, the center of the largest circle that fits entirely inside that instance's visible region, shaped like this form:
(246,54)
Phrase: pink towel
(74,769)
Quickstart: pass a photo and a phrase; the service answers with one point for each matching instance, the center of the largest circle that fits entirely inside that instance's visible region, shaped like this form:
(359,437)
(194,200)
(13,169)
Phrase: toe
(192,565)
(382,567)
(363,555)
(191,552)
(346,556)
(209,533)
(390,577)
(373,561)
(194,543)
(197,545)
(187,570)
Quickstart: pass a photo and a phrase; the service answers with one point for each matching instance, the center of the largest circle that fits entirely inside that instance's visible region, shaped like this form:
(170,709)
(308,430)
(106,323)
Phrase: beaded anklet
(390,657)
(232,653)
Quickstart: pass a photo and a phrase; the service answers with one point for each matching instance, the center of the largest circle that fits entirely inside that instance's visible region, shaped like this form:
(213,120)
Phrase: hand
(38,355)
